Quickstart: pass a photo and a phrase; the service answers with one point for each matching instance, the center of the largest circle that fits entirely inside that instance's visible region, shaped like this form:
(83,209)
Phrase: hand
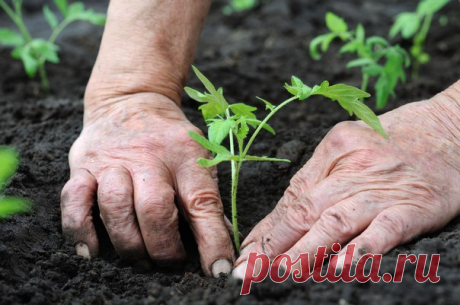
(134,155)
(361,188)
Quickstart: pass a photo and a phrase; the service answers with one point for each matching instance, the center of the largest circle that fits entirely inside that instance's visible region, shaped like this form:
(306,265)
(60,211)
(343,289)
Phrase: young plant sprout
(375,56)
(35,52)
(8,166)
(416,25)
(233,121)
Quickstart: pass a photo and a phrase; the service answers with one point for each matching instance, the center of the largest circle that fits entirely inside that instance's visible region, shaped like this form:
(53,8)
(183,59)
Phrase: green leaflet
(298,88)
(348,97)
(218,130)
(50,17)
(335,23)
(13,205)
(10,38)
(213,147)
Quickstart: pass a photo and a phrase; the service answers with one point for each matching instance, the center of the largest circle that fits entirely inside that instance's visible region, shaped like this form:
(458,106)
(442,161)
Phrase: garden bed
(248,54)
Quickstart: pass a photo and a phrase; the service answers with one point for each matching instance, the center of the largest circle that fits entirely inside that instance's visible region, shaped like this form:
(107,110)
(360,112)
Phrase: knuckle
(76,187)
(203,201)
(299,216)
(334,221)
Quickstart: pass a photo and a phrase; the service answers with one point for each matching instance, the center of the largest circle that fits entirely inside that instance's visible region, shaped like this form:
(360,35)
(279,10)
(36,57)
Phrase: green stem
(261,125)
(59,29)
(17,20)
(419,41)
(43,76)
(236,232)
(364,84)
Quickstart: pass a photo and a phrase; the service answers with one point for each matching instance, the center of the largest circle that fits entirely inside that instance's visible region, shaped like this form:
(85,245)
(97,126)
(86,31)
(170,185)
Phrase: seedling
(35,52)
(8,166)
(233,121)
(415,26)
(375,56)
(239,6)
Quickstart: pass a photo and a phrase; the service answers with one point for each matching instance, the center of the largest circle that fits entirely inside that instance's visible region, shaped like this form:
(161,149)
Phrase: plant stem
(59,29)
(17,20)
(364,84)
(419,41)
(259,128)
(43,76)
(236,232)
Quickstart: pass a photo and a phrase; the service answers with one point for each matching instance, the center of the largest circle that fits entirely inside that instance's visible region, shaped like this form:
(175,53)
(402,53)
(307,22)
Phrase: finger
(390,228)
(115,198)
(77,199)
(295,195)
(157,215)
(200,199)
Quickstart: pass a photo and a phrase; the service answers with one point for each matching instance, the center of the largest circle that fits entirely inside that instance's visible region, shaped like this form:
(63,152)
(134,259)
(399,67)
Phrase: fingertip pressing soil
(249,54)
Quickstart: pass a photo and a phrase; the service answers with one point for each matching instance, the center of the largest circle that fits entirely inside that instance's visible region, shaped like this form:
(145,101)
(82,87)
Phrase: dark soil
(248,54)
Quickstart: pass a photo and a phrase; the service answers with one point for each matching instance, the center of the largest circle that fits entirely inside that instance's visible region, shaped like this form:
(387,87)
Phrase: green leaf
(215,103)
(241,110)
(8,164)
(243,129)
(213,162)
(268,105)
(360,33)
(376,40)
(360,62)
(29,62)
(427,7)
(349,47)
(407,24)
(255,158)
(218,130)
(298,88)
(335,23)
(255,123)
(328,38)
(213,147)
(348,97)
(12,205)
(46,50)
(50,17)
(314,44)
(62,6)
(75,9)
(372,70)
(10,38)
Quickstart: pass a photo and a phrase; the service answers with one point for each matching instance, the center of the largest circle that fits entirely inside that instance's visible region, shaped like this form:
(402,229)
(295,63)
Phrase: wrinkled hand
(136,158)
(361,188)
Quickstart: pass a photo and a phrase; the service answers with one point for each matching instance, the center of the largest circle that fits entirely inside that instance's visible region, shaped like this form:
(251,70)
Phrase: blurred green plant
(239,6)
(233,121)
(35,52)
(376,57)
(416,25)
(8,166)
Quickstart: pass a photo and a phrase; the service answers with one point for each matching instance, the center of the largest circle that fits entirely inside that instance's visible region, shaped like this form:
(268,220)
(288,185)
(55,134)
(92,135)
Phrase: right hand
(134,155)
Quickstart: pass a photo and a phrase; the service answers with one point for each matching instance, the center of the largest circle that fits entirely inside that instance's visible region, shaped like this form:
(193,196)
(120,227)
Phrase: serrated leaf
(50,17)
(62,6)
(268,105)
(13,205)
(360,62)
(298,88)
(241,109)
(243,129)
(213,147)
(348,97)
(264,159)
(335,23)
(218,130)
(10,38)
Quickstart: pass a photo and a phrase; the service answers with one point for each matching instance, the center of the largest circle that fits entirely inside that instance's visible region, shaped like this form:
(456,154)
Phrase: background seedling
(35,52)
(375,56)
(416,25)
(8,166)
(233,121)
(239,6)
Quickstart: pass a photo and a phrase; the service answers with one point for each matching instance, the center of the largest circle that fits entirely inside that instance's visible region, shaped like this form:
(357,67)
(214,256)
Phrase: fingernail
(240,271)
(82,250)
(247,249)
(221,266)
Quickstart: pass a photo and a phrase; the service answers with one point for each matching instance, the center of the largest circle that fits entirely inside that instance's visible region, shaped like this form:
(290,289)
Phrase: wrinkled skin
(361,188)
(135,157)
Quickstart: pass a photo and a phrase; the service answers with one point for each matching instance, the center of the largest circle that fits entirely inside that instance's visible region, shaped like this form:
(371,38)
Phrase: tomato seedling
(416,25)
(375,56)
(35,52)
(8,166)
(233,121)
(239,6)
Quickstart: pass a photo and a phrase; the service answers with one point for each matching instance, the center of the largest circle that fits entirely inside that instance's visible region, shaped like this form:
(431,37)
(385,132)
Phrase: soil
(249,54)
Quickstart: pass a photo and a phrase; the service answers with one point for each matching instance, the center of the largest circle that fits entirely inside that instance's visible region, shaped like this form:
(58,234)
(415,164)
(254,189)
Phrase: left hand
(361,188)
